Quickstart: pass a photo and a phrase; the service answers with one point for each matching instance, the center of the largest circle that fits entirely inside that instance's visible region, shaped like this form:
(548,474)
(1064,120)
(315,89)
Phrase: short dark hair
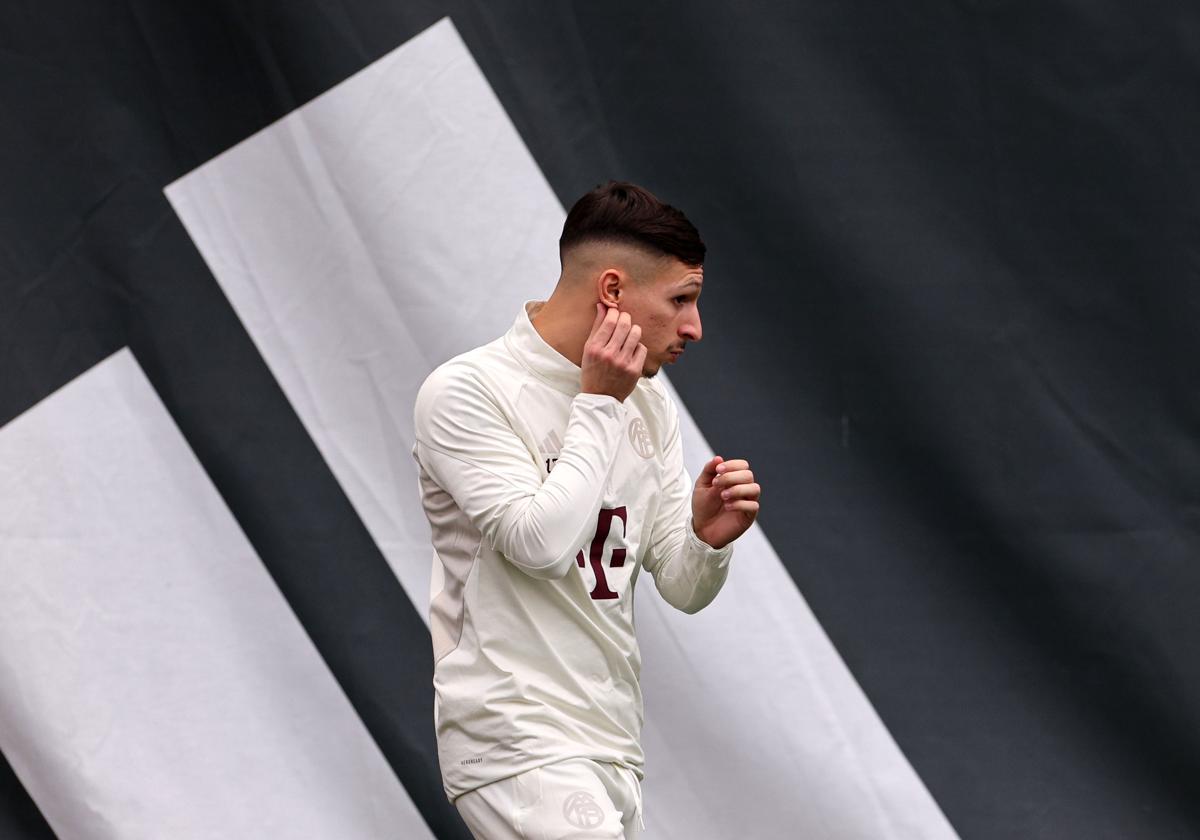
(622,212)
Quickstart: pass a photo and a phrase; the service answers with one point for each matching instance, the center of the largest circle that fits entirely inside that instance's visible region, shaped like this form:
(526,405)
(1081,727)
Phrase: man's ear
(609,283)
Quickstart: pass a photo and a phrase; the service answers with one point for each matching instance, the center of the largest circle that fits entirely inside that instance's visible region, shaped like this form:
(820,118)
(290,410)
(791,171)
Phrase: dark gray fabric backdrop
(950,315)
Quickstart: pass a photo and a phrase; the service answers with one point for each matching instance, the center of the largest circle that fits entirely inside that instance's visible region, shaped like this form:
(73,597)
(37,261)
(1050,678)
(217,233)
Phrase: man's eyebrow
(691,281)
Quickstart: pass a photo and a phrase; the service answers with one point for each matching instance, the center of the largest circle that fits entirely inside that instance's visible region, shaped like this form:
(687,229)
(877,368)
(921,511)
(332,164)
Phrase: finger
(607,324)
(620,330)
(709,472)
(736,477)
(601,310)
(632,342)
(742,491)
(709,469)
(743,505)
(729,466)
(639,357)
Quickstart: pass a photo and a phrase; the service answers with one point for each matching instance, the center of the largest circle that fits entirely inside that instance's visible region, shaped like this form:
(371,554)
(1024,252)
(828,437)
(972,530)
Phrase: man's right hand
(613,356)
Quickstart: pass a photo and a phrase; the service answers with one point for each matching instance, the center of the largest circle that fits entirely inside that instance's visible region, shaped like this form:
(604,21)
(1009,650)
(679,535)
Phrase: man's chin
(651,368)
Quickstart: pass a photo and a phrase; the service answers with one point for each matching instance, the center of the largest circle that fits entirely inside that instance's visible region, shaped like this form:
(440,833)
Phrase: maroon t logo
(596,553)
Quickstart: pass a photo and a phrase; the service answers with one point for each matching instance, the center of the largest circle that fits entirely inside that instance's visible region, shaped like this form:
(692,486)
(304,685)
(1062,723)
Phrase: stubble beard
(648,372)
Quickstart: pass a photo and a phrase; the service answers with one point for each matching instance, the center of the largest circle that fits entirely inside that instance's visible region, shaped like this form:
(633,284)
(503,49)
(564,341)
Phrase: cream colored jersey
(545,503)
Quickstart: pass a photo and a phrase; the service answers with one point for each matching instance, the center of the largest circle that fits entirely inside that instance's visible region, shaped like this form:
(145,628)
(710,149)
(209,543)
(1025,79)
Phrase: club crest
(639,436)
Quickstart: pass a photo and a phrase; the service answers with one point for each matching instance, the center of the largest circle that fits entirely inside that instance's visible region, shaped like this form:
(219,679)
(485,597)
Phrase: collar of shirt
(527,344)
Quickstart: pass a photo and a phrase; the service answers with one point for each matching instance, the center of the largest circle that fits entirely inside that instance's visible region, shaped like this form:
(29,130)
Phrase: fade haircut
(622,212)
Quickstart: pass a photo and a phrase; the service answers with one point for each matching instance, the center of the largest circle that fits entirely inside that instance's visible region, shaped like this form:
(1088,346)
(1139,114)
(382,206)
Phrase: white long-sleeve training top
(544,504)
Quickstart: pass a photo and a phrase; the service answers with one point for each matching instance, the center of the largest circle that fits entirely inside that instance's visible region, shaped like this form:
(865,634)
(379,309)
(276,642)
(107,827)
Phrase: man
(551,473)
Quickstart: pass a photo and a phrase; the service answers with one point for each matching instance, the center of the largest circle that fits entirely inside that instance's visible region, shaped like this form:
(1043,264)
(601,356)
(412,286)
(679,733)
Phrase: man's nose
(691,329)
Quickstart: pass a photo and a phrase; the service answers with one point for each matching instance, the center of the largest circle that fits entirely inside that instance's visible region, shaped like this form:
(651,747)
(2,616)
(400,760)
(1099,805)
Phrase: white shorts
(568,800)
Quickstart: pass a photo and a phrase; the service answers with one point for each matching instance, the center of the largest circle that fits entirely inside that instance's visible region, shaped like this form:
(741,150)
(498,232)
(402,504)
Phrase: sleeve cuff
(700,547)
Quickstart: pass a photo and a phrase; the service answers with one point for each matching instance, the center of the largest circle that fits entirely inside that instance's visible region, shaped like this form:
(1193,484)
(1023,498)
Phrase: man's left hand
(724,502)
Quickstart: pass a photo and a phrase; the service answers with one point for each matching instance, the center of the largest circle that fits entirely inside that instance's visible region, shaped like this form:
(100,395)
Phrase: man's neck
(559,324)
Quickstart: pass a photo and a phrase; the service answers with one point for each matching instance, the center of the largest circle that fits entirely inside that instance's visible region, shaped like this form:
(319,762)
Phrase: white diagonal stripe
(155,683)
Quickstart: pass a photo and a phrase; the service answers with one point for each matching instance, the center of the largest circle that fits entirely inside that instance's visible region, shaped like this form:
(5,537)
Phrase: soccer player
(551,472)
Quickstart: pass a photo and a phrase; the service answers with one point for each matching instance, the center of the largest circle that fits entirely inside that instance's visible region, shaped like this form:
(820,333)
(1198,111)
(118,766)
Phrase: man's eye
(681,300)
